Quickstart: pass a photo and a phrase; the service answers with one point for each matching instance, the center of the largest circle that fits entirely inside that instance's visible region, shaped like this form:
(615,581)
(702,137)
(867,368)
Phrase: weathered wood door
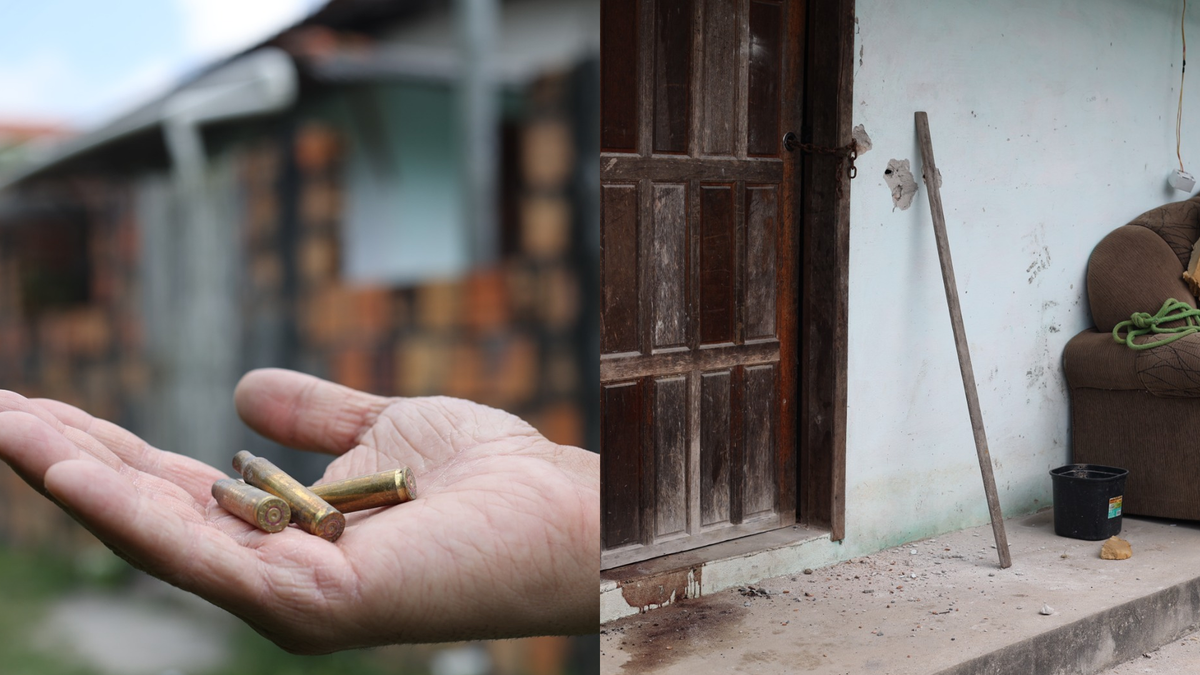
(698,316)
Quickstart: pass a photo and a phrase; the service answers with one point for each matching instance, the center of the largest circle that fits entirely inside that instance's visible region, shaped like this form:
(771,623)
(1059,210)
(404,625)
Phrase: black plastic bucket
(1088,500)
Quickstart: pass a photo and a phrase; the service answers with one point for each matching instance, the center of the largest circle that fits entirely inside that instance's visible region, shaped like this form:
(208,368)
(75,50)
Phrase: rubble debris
(1116,548)
(1046,610)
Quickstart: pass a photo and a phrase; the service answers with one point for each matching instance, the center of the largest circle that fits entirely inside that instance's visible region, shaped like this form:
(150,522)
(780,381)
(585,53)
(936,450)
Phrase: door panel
(717,264)
(670,454)
(619,256)
(761,264)
(621,464)
(619,65)
(672,75)
(670,265)
(759,437)
(718,87)
(716,461)
(766,61)
(698,349)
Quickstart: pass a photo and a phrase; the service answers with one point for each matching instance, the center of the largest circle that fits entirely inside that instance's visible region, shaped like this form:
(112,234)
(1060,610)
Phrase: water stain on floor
(675,631)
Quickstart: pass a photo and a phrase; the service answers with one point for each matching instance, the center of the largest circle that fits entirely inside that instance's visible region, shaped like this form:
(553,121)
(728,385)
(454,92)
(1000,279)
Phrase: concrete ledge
(939,605)
(1100,640)
(647,585)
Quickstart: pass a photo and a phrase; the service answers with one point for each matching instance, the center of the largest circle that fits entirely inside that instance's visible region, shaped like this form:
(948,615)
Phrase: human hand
(502,541)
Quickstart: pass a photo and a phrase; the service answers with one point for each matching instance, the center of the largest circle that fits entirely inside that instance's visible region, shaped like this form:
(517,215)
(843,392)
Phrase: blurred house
(358,197)
(17,138)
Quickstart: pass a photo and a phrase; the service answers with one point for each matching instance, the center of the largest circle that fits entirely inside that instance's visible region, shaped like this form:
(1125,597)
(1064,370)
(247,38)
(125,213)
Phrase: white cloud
(215,28)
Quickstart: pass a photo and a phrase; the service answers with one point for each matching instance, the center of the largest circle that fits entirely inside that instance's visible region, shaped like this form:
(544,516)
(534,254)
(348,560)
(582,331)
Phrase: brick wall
(86,351)
(503,335)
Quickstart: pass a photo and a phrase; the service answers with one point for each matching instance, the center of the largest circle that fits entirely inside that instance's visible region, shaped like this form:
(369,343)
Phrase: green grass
(255,654)
(27,585)
(30,583)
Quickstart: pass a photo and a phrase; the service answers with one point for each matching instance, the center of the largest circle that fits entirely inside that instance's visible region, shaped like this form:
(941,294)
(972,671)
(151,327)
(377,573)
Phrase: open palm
(502,541)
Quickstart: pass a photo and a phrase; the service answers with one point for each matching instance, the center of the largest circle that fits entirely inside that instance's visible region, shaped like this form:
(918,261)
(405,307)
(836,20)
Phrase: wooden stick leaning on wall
(960,337)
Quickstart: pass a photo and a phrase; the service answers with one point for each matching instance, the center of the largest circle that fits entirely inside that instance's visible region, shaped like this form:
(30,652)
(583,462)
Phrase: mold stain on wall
(1038,252)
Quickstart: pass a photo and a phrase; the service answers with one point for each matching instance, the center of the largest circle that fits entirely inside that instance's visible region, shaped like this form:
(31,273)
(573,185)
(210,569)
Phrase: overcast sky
(79,62)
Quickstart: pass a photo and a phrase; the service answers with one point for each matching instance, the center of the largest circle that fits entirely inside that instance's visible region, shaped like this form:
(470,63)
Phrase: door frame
(827,102)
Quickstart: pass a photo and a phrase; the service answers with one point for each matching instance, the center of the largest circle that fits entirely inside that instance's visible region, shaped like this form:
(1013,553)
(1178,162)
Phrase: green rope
(1141,323)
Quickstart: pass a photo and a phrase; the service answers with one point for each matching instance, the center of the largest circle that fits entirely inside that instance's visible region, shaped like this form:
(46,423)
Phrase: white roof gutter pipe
(259,83)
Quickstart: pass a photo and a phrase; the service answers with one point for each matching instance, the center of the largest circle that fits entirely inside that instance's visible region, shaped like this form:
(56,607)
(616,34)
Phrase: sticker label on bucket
(1114,506)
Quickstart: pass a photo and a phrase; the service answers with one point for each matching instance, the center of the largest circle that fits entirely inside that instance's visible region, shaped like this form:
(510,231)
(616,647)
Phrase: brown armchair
(1140,410)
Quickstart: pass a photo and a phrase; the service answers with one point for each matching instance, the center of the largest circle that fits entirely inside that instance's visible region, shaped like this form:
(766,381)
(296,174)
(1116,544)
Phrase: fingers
(305,412)
(194,476)
(161,534)
(65,413)
(13,402)
(10,401)
(30,446)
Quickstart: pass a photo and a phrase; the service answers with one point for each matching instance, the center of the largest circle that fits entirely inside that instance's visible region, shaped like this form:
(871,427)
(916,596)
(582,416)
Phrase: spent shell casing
(309,511)
(385,488)
(257,507)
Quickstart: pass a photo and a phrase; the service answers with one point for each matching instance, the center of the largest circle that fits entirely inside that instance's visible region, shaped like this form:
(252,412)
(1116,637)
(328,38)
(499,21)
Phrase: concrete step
(655,583)
(940,605)
(1175,658)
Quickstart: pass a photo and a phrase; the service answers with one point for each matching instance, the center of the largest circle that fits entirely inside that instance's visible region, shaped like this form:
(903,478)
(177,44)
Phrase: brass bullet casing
(385,488)
(309,511)
(257,507)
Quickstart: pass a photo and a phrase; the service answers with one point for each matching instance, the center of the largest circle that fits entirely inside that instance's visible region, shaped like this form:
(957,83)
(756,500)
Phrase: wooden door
(698,346)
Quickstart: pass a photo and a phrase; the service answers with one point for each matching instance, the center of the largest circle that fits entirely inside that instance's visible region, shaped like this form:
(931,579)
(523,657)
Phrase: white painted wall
(1053,122)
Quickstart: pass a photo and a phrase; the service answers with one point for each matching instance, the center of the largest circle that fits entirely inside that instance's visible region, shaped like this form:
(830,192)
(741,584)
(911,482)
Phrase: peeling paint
(663,589)
(861,139)
(900,181)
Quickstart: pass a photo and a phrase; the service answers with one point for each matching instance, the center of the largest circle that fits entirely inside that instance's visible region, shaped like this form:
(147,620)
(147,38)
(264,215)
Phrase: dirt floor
(914,609)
